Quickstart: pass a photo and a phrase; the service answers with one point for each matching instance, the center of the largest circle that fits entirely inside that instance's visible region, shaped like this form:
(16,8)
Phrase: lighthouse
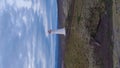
(61,31)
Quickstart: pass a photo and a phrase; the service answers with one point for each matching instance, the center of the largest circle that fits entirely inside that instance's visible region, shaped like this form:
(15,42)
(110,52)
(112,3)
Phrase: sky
(24,38)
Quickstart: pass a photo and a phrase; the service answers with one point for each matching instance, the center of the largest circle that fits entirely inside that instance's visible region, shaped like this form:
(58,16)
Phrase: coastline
(62,15)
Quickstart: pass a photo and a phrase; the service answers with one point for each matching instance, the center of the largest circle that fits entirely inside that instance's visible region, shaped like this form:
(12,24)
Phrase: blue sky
(24,38)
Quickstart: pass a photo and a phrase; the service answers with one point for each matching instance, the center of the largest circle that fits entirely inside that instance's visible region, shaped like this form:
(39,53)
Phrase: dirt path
(116,36)
(104,37)
(104,52)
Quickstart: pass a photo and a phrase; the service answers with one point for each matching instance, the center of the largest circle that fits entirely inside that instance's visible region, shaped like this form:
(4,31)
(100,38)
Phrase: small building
(61,31)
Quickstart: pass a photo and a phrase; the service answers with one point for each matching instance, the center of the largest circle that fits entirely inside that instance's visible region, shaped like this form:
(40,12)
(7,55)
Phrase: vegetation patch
(94,19)
(75,51)
(78,18)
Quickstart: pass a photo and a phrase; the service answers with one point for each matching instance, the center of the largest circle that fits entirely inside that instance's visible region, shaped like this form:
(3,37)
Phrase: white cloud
(30,58)
(20,56)
(45,24)
(40,8)
(23,4)
(43,13)
(24,18)
(19,4)
(36,7)
(19,34)
(10,2)
(42,59)
(2,5)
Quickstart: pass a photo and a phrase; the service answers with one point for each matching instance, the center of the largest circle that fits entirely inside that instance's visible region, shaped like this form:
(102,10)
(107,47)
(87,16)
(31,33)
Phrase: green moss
(78,18)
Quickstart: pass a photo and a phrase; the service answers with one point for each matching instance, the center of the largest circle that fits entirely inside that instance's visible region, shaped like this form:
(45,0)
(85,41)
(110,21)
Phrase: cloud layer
(28,41)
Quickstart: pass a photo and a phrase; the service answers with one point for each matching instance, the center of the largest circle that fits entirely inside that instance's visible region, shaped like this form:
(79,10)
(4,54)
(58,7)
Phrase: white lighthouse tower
(61,31)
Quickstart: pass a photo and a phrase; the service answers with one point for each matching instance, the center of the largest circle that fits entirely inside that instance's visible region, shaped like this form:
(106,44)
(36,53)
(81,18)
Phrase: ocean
(24,38)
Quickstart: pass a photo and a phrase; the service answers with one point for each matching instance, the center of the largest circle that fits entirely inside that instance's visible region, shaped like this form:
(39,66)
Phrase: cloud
(20,4)
(10,2)
(23,4)
(42,11)
(31,41)
(20,55)
(19,34)
(42,59)
(27,55)
(24,18)
(30,57)
(45,24)
(37,7)
(2,5)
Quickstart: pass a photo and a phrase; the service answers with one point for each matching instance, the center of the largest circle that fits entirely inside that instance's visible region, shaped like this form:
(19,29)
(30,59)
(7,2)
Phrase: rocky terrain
(116,33)
(92,39)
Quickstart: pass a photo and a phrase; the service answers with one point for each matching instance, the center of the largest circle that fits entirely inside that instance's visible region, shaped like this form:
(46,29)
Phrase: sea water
(24,38)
